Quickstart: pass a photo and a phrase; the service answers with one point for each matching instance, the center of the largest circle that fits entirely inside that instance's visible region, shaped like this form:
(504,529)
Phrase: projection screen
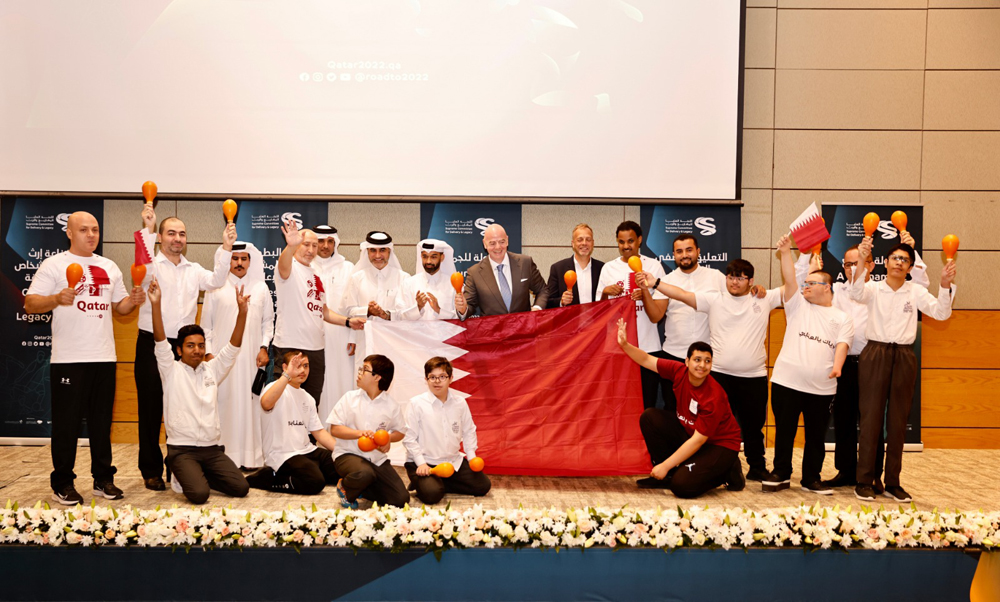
(518,98)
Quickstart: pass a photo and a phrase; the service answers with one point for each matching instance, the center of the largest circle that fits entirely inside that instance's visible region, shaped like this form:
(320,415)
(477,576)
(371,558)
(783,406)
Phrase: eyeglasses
(737,278)
(900,259)
(362,370)
(850,264)
(809,283)
(438,379)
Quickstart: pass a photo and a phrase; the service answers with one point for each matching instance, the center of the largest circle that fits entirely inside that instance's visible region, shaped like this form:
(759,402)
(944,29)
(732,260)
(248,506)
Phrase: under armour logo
(65,381)
(690,465)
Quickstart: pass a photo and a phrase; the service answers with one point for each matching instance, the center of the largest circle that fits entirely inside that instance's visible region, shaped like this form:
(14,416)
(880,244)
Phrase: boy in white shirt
(360,413)
(439,422)
(293,463)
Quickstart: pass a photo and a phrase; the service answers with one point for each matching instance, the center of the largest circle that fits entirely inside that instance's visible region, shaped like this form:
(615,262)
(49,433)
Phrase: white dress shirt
(683,325)
(893,314)
(584,280)
(179,288)
(357,411)
(435,429)
(190,395)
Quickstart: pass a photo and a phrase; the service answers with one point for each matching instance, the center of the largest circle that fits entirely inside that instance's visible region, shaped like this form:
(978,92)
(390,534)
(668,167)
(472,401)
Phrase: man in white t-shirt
(335,272)
(428,293)
(362,413)
(738,321)
(439,428)
(684,325)
(195,456)
(82,371)
(804,381)
(618,280)
(303,306)
(292,463)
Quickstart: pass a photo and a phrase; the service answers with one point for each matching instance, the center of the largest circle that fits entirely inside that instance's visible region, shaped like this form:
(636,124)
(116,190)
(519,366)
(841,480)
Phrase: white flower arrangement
(391,529)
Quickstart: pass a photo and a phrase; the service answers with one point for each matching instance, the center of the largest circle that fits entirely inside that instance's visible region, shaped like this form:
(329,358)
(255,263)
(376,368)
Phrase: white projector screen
(520,98)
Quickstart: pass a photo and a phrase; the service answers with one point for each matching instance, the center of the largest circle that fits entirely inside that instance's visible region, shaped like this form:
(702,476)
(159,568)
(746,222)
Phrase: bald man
(181,282)
(302,306)
(83,354)
(500,283)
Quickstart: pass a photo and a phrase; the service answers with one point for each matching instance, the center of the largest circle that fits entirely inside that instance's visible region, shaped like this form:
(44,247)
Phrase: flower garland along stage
(393,529)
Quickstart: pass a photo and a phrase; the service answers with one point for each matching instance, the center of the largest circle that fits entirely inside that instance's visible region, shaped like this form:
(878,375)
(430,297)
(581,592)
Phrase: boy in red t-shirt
(703,437)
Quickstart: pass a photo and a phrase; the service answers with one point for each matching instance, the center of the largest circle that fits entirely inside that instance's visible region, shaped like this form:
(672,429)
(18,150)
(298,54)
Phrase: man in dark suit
(500,283)
(587,271)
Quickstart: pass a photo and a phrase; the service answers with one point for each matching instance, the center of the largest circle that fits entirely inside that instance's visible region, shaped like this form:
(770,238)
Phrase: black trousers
(81,391)
(317,371)
(845,423)
(200,469)
(150,404)
(748,401)
(788,405)
(377,483)
(654,386)
(705,470)
(465,481)
(304,474)
(889,374)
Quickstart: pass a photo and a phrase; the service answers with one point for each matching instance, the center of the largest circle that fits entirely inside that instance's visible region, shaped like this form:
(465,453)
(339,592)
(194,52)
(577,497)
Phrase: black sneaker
(864,493)
(897,493)
(67,496)
(651,483)
(155,484)
(817,486)
(735,480)
(877,487)
(108,491)
(775,482)
(841,480)
(757,474)
(261,479)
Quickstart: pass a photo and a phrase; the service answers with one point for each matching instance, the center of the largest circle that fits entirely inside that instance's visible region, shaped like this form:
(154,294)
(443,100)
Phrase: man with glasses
(439,428)
(845,404)
(804,381)
(888,366)
(500,283)
(738,322)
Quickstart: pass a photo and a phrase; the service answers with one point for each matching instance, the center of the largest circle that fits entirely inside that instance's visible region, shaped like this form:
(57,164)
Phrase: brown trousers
(887,372)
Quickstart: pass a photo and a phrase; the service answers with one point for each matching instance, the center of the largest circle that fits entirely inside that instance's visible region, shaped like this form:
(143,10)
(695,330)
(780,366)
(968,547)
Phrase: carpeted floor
(953,479)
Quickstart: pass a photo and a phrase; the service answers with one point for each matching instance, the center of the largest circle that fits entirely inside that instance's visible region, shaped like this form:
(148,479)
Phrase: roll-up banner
(461,225)
(33,228)
(845,223)
(716,228)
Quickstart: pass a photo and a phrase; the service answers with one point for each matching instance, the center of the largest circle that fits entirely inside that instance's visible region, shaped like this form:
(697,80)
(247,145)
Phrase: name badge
(693,407)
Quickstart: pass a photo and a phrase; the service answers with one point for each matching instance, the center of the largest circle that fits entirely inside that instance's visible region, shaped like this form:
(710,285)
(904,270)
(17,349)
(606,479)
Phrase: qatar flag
(551,392)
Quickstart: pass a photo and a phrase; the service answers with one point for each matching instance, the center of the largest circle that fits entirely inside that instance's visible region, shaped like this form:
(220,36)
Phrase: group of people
(223,420)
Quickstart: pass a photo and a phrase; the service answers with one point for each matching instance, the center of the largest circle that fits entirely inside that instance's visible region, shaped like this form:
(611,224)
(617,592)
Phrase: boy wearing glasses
(738,321)
(439,421)
(804,381)
(888,367)
(360,413)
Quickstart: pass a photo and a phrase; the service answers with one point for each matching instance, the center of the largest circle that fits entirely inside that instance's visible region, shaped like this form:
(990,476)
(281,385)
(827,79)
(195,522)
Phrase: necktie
(504,286)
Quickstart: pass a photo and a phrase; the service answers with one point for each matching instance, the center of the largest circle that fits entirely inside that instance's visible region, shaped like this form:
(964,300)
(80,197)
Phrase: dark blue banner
(716,227)
(34,228)
(846,230)
(461,225)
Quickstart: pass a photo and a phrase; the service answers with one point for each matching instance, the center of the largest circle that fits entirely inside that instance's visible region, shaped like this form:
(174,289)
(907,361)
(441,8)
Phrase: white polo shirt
(357,411)
(618,272)
(738,328)
(301,298)
(812,333)
(435,429)
(683,324)
(191,395)
(284,431)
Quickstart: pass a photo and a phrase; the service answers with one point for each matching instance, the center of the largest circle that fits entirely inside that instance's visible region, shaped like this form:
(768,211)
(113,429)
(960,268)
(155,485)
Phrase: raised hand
(906,239)
(295,368)
(865,249)
(815,262)
(948,274)
(293,238)
(421,300)
(242,303)
(643,279)
(229,236)
(137,295)
(460,305)
(784,244)
(434,303)
(622,332)
(149,217)
(153,293)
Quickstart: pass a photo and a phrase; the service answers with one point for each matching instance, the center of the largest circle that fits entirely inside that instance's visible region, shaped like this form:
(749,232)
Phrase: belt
(892,345)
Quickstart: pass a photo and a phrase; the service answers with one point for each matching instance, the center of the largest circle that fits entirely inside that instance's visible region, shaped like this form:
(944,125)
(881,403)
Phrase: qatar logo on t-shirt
(315,288)
(98,279)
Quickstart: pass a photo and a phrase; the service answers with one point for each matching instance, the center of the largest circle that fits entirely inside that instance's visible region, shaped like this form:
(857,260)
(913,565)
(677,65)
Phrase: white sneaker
(176,485)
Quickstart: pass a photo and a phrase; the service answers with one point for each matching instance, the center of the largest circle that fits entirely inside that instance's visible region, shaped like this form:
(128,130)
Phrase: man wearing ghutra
(428,294)
(335,272)
(374,287)
(239,412)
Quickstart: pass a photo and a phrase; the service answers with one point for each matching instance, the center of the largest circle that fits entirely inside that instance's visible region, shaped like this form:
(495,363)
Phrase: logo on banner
(294,217)
(483,223)
(62,219)
(887,230)
(705,225)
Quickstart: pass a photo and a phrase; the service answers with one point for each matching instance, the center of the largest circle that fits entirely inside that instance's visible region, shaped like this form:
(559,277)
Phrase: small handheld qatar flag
(808,229)
(144,242)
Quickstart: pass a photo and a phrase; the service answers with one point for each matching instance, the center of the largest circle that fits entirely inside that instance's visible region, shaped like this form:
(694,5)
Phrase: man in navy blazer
(501,283)
(587,270)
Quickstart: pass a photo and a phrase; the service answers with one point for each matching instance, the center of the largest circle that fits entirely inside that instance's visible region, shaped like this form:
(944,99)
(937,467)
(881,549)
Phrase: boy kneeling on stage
(360,413)
(438,422)
(293,463)
(698,449)
(191,405)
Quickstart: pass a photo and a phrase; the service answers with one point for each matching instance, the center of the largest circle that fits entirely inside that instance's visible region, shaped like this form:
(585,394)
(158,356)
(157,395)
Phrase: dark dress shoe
(155,484)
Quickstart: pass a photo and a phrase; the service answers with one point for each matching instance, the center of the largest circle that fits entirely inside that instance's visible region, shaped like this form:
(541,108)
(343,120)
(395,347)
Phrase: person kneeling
(702,438)
(439,421)
(191,405)
(293,463)
(358,414)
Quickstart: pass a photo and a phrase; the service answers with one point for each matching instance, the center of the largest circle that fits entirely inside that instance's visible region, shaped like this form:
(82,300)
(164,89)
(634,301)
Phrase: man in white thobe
(428,293)
(239,408)
(335,272)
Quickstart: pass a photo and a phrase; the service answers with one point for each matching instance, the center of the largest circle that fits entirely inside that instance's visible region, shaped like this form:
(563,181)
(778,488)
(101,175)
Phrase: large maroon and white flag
(551,392)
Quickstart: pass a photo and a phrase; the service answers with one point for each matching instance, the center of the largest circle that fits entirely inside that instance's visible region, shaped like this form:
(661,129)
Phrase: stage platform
(952,479)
